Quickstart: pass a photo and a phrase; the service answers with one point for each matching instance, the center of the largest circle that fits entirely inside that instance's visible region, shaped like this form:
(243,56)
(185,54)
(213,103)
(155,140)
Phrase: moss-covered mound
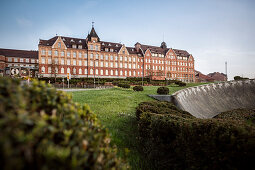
(41,128)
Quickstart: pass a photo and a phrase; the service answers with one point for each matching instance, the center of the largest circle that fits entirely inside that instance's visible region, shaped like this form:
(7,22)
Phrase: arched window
(43,69)
(74,70)
(62,70)
(68,70)
(80,71)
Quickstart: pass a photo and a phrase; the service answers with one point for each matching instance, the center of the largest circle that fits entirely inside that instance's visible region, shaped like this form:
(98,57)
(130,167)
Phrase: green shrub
(138,88)
(124,85)
(173,140)
(163,90)
(182,84)
(41,128)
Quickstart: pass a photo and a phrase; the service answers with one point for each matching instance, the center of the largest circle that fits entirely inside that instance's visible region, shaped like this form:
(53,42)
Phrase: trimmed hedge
(180,83)
(173,140)
(41,128)
(138,88)
(163,90)
(124,85)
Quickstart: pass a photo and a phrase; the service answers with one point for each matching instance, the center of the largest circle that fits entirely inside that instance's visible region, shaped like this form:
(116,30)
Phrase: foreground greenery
(173,139)
(116,110)
(41,128)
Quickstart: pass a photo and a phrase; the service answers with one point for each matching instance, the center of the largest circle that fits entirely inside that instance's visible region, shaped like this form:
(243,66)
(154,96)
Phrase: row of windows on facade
(102,57)
(168,62)
(181,69)
(171,56)
(97,72)
(21,65)
(112,72)
(10,59)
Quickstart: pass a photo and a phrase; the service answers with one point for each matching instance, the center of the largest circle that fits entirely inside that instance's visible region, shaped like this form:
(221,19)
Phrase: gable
(123,50)
(59,44)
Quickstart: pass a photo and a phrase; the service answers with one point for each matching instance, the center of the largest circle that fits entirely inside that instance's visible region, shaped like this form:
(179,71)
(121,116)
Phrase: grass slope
(116,110)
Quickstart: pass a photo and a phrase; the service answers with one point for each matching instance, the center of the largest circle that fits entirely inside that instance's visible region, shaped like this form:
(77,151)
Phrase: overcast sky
(214,31)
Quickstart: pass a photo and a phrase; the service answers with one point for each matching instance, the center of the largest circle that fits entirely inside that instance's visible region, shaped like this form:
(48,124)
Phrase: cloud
(23,22)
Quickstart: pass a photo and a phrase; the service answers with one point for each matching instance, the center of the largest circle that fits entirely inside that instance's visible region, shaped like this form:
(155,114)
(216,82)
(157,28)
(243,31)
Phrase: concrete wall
(206,101)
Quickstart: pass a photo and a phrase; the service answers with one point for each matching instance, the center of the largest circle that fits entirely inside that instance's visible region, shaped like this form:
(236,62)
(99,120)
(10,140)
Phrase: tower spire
(93,24)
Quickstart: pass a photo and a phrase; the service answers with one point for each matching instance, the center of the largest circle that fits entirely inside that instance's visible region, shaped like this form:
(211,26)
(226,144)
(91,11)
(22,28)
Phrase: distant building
(92,57)
(18,62)
(218,76)
(201,78)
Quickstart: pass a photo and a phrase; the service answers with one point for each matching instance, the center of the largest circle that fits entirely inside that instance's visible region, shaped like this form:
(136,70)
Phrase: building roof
(19,53)
(160,50)
(93,34)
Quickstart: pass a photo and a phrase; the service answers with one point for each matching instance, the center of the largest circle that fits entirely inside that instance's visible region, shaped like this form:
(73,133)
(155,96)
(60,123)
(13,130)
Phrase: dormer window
(72,40)
(132,49)
(116,45)
(123,52)
(59,45)
(109,44)
(63,39)
(94,41)
(102,43)
(73,46)
(80,46)
(79,41)
(91,47)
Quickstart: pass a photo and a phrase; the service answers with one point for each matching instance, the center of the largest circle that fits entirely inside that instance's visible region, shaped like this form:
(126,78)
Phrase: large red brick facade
(92,57)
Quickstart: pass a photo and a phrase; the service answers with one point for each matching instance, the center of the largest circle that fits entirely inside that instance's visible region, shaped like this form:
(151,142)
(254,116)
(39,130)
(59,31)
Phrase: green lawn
(115,109)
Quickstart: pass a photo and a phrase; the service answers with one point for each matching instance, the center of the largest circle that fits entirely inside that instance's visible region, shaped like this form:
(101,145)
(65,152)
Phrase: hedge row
(173,139)
(41,128)
(115,81)
(138,88)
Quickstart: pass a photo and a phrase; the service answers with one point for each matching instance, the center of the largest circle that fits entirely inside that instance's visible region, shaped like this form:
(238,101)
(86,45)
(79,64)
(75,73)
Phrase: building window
(43,60)
(102,72)
(106,64)
(116,72)
(134,59)
(62,61)
(91,47)
(79,55)
(74,54)
(56,61)
(62,53)
(73,46)
(32,60)
(125,65)
(74,70)
(43,52)
(74,62)
(56,53)
(96,63)
(56,70)
(102,57)
(111,64)
(96,71)
(120,65)
(15,60)
(116,58)
(126,73)
(96,56)
(121,72)
(21,60)
(59,45)
(123,52)
(49,52)
(68,70)
(129,73)
(80,46)
(85,55)
(91,56)
(68,62)
(86,63)
(91,63)
(80,71)
(129,66)
(133,66)
(116,65)
(80,63)
(111,72)
(134,73)
(49,69)
(27,60)
(68,54)
(111,57)
(97,47)
(43,69)
(91,71)
(106,49)
(106,57)
(62,70)
(106,72)
(111,50)
(129,59)
(86,71)
(101,64)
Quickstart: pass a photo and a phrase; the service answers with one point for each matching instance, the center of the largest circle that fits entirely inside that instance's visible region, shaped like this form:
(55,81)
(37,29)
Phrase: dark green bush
(163,90)
(138,88)
(41,128)
(124,85)
(172,140)
(182,84)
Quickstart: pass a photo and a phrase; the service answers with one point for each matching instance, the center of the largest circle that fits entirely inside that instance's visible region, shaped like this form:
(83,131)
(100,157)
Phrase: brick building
(92,57)
(18,62)
(218,76)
